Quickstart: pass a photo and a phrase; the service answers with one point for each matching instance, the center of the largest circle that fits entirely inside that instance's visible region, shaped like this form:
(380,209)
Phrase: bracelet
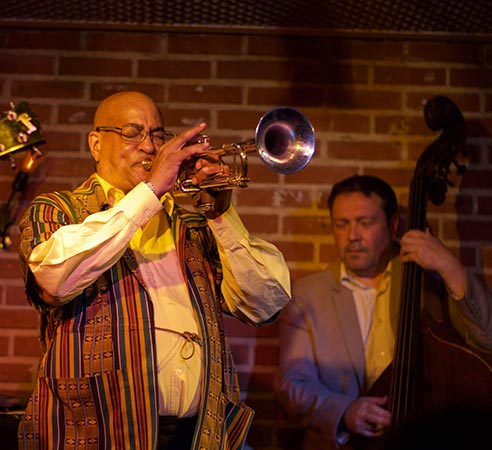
(151,187)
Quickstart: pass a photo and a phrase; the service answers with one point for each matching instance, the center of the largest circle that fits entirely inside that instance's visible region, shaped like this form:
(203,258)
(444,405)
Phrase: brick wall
(363,95)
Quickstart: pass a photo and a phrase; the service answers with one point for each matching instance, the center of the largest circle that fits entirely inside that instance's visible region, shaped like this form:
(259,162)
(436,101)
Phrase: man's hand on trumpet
(177,158)
(169,160)
(212,202)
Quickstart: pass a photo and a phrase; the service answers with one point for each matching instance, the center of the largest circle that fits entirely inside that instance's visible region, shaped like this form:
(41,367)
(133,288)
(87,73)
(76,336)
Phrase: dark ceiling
(464,17)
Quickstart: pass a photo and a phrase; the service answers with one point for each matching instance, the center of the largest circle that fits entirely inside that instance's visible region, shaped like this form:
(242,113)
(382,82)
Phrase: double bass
(434,374)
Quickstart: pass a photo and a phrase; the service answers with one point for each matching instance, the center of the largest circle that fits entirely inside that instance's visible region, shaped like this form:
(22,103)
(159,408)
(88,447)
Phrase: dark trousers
(176,434)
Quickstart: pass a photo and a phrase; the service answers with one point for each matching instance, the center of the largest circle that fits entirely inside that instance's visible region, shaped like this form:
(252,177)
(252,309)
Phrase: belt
(176,433)
(173,420)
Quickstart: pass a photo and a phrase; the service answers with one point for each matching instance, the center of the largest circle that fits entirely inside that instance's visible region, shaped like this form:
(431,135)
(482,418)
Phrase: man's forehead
(128,109)
(357,197)
(357,204)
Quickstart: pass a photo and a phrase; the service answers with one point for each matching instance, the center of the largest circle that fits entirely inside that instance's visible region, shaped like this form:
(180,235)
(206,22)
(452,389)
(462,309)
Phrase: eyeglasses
(136,134)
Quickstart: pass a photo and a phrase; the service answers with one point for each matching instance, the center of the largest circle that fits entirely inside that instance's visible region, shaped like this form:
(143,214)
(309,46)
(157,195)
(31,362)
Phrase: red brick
(467,230)
(10,268)
(262,224)
(266,354)
(334,122)
(15,295)
(45,39)
(409,76)
(323,175)
(261,380)
(34,64)
(61,141)
(120,42)
(48,88)
(319,47)
(471,53)
(466,102)
(205,94)
(166,68)
(27,346)
(297,251)
(204,44)
(370,151)
(471,77)
(240,352)
(81,167)
(178,119)
(4,346)
(101,90)
(75,115)
(306,225)
(103,67)
(19,373)
(22,318)
(396,177)
(398,125)
(328,253)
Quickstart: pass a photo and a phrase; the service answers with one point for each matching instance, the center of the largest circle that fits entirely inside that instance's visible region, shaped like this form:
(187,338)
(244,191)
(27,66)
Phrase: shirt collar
(347,279)
(166,200)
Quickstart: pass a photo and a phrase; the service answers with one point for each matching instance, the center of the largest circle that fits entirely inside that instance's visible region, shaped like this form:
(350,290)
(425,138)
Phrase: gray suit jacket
(321,350)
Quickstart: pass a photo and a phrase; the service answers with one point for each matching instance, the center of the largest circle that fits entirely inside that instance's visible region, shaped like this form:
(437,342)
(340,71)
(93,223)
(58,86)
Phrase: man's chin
(139,173)
(354,257)
(355,262)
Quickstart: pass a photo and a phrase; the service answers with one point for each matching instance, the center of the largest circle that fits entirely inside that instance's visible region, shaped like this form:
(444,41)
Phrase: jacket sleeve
(256,279)
(472,315)
(306,370)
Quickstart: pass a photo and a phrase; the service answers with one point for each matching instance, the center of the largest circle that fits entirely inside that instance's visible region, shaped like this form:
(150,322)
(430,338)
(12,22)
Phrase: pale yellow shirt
(256,279)
(373,311)
(179,378)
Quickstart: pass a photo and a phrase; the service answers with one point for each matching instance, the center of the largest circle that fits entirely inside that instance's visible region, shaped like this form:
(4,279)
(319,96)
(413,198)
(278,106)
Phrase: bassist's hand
(430,253)
(367,417)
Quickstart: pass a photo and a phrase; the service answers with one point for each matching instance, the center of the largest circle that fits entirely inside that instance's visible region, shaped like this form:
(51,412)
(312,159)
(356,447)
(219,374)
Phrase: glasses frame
(168,135)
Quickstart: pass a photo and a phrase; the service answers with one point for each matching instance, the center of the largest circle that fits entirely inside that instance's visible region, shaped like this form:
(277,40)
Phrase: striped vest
(96,386)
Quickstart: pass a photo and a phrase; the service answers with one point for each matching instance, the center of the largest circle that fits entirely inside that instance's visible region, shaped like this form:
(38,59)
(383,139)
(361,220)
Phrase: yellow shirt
(373,311)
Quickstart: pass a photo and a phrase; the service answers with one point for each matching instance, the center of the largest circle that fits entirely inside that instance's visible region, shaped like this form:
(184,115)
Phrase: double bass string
(405,363)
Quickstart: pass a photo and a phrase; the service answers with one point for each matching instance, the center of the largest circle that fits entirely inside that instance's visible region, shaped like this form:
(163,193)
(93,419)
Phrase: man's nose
(354,233)
(148,146)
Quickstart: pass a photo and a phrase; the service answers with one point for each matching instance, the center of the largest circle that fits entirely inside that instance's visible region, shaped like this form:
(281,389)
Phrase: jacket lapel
(349,325)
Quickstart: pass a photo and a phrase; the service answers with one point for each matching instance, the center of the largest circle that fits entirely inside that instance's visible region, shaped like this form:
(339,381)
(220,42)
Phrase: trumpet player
(131,290)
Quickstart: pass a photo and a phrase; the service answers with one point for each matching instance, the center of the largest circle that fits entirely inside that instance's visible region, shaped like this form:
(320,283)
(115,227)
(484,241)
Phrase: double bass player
(338,334)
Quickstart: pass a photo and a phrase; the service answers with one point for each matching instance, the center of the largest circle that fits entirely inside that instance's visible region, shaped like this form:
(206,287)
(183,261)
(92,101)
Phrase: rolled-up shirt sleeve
(77,254)
(256,283)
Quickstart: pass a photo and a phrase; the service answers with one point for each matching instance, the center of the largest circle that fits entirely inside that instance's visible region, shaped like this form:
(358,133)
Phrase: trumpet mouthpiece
(147,164)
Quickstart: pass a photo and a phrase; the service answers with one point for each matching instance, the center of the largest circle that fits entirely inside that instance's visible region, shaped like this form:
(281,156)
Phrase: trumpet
(284,140)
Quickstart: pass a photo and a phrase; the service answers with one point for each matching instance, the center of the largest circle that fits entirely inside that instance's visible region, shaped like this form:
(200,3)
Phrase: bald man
(131,290)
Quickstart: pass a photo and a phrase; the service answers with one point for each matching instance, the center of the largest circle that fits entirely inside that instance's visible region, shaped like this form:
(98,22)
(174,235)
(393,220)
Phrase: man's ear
(94,145)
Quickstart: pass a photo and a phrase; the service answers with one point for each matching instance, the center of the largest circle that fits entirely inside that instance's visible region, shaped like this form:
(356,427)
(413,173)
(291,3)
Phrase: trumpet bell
(285,140)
